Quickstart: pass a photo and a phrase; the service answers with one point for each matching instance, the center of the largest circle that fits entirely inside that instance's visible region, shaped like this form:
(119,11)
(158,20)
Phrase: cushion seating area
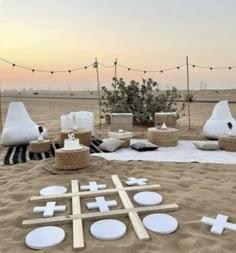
(19,128)
(216,125)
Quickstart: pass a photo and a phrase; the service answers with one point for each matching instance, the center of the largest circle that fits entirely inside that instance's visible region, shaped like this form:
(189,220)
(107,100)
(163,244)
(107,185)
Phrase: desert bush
(142,100)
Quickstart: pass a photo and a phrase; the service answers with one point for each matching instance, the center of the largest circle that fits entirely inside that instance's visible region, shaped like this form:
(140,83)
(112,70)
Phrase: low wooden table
(227,143)
(39,146)
(84,135)
(125,136)
(72,159)
(163,138)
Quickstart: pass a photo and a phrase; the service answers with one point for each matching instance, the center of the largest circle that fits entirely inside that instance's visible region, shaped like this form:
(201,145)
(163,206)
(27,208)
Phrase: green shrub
(143,100)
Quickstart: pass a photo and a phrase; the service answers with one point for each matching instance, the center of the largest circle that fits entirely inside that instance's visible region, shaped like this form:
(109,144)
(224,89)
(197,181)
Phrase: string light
(95,65)
(212,68)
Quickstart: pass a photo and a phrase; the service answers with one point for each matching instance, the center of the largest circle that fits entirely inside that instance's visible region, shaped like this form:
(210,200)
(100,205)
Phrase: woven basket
(72,159)
(227,143)
(163,138)
(40,146)
(126,136)
(84,136)
(170,120)
(126,144)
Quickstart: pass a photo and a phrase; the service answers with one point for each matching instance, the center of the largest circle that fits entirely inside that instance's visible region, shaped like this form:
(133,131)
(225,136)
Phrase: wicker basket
(124,136)
(121,121)
(163,138)
(84,136)
(168,118)
(72,159)
(40,146)
(227,143)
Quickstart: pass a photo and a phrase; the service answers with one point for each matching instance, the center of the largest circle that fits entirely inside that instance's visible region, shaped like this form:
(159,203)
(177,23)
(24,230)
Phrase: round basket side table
(126,136)
(84,136)
(72,159)
(163,138)
(227,143)
(39,146)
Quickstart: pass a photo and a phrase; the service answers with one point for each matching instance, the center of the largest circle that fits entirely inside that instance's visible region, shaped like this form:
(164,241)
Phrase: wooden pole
(187,66)
(115,77)
(0,107)
(99,93)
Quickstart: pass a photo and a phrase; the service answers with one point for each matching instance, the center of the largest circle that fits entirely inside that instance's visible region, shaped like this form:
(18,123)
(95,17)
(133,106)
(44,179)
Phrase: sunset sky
(141,34)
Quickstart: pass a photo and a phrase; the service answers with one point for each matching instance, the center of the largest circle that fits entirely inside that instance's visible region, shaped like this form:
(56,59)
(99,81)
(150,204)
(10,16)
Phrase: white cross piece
(136,181)
(102,204)
(218,224)
(49,209)
(93,186)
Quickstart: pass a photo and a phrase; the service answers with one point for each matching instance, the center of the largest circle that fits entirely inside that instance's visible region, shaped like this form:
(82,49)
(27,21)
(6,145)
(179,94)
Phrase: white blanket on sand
(185,151)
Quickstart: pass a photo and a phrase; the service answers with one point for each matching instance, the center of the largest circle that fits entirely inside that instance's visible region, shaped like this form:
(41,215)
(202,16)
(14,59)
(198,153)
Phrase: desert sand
(199,189)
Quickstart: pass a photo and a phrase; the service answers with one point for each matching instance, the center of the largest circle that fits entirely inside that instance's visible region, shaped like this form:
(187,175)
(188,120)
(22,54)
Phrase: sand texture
(199,189)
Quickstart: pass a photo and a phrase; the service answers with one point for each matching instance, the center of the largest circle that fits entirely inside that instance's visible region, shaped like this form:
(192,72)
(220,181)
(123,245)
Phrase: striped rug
(21,154)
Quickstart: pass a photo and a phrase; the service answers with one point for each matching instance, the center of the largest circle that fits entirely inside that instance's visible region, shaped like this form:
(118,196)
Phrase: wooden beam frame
(77,217)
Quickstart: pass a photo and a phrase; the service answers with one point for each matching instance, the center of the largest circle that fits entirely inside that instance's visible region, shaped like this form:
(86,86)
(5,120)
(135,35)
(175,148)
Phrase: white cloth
(185,151)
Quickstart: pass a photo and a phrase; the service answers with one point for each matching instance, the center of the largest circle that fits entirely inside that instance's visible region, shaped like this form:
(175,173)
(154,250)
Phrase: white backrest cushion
(222,112)
(17,115)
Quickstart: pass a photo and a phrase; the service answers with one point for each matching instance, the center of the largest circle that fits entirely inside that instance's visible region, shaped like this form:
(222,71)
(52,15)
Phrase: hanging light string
(107,66)
(112,66)
(46,71)
(151,71)
(211,68)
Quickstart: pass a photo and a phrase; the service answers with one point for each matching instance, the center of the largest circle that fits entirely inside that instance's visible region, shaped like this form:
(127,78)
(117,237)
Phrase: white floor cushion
(216,125)
(19,128)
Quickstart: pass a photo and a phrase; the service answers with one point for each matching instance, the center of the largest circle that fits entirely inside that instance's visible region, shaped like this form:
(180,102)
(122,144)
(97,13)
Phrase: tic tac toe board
(77,217)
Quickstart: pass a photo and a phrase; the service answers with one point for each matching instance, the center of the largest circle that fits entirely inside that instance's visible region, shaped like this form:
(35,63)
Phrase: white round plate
(147,198)
(53,190)
(43,237)
(160,223)
(70,149)
(108,229)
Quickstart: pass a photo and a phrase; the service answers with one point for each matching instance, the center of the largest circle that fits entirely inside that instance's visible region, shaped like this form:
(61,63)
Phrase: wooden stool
(125,136)
(72,159)
(163,138)
(40,146)
(227,143)
(84,135)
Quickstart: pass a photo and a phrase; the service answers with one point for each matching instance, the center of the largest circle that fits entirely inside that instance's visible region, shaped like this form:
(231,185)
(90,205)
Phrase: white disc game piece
(108,229)
(148,198)
(53,190)
(160,223)
(43,237)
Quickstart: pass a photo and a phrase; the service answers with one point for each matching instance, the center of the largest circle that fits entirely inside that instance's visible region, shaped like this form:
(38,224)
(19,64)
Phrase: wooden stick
(96,215)
(96,193)
(133,216)
(99,93)
(78,235)
(115,81)
(188,92)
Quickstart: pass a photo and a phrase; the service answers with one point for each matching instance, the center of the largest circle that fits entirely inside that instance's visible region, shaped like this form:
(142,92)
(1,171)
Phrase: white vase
(164,127)
(40,138)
